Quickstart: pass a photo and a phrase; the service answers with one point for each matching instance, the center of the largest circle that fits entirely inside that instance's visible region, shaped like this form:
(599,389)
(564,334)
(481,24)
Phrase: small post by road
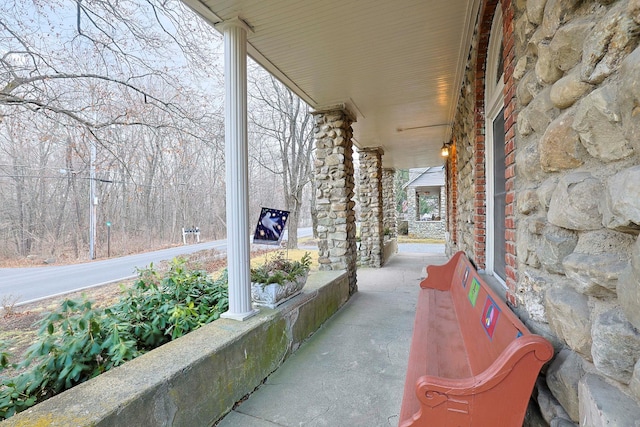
(195,231)
(108,239)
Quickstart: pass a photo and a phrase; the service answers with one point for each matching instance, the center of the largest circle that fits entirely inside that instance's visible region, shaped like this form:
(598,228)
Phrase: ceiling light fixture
(444,151)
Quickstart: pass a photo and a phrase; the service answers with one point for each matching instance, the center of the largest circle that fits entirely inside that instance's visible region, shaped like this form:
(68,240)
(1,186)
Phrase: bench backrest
(487,324)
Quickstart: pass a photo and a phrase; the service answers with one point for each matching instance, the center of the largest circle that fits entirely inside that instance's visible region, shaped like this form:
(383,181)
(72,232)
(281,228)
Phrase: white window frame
(494,102)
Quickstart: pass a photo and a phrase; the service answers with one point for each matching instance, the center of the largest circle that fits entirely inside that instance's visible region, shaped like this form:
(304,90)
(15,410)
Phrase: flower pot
(274,294)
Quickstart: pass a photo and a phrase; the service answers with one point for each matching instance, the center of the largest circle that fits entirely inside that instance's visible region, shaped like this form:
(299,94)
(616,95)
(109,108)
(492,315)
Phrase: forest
(111,111)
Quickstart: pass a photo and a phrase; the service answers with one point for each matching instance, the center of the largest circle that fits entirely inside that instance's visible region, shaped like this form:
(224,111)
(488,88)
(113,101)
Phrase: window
(494,149)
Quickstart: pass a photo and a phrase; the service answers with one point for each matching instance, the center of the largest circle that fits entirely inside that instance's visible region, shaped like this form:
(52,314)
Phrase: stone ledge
(196,379)
(389,250)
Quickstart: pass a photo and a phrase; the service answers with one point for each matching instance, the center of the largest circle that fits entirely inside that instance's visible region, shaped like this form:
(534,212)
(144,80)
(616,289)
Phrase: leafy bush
(403,228)
(158,311)
(78,341)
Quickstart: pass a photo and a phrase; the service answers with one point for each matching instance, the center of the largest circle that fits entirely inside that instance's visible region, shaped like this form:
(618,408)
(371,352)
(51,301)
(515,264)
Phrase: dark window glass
(500,70)
(499,196)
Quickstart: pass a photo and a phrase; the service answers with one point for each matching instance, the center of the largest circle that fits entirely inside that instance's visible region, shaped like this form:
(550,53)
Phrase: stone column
(412,209)
(389,211)
(370,197)
(335,190)
(443,204)
(237,177)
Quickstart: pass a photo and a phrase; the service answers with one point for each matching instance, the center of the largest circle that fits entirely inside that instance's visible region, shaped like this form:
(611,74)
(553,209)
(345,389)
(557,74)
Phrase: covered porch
(351,371)
(383,80)
(536,104)
(499,85)
(267,371)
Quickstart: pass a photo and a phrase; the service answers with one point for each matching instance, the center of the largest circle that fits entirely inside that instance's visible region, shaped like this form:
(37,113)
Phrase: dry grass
(413,239)
(292,254)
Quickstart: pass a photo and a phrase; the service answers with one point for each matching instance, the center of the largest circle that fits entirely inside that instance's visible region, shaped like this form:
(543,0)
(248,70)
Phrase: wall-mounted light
(444,151)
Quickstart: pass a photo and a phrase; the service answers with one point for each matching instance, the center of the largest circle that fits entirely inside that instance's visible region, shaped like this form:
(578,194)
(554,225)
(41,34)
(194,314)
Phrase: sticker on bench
(490,316)
(465,277)
(474,290)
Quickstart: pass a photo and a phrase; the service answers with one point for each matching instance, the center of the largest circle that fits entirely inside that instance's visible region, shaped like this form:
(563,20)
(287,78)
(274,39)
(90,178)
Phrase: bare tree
(285,126)
(127,75)
(109,47)
(141,80)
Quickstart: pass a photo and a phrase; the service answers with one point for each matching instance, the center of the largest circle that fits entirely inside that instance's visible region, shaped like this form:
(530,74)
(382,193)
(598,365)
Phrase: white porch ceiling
(397,64)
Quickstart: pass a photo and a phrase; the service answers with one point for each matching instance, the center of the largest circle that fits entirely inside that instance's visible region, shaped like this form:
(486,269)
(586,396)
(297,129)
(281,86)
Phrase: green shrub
(403,228)
(78,342)
(158,311)
(12,396)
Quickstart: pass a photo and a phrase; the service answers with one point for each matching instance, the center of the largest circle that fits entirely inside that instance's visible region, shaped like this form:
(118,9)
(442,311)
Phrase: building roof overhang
(396,65)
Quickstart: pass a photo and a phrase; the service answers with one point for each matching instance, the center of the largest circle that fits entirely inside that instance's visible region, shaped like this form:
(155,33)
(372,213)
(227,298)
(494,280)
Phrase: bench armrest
(440,276)
(478,400)
(428,387)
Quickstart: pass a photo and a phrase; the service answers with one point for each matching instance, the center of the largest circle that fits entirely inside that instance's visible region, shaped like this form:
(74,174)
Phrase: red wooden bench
(472,362)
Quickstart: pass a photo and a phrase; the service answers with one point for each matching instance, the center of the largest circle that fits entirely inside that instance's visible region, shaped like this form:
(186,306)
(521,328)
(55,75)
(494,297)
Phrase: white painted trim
(237,175)
(471,17)
(236,21)
(199,8)
(493,94)
(494,101)
(208,15)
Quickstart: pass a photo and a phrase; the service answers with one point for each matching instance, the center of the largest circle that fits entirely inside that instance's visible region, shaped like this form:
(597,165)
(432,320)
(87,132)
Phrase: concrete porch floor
(351,372)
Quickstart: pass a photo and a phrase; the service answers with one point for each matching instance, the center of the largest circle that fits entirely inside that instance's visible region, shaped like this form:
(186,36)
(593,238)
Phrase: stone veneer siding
(572,145)
(334,175)
(370,197)
(427,229)
(451,190)
(389,210)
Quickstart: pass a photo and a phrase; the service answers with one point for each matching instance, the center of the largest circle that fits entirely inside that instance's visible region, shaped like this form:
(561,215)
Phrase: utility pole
(93,201)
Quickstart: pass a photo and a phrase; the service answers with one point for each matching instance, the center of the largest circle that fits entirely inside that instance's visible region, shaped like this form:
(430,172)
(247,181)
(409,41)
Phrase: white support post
(237,175)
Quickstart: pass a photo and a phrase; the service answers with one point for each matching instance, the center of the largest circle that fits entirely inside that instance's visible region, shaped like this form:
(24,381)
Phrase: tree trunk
(314,208)
(292,226)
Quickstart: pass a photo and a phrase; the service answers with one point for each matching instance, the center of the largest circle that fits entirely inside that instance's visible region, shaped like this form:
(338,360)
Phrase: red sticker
(490,316)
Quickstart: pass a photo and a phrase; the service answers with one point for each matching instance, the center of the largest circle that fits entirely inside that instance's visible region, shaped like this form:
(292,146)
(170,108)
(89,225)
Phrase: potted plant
(278,279)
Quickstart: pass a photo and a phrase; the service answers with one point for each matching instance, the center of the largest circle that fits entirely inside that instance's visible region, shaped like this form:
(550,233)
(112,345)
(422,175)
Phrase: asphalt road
(25,285)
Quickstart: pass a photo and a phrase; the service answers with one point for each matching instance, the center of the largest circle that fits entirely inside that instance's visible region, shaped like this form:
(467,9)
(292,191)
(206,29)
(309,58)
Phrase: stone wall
(334,175)
(451,190)
(370,198)
(427,229)
(578,200)
(577,197)
(412,203)
(198,378)
(463,163)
